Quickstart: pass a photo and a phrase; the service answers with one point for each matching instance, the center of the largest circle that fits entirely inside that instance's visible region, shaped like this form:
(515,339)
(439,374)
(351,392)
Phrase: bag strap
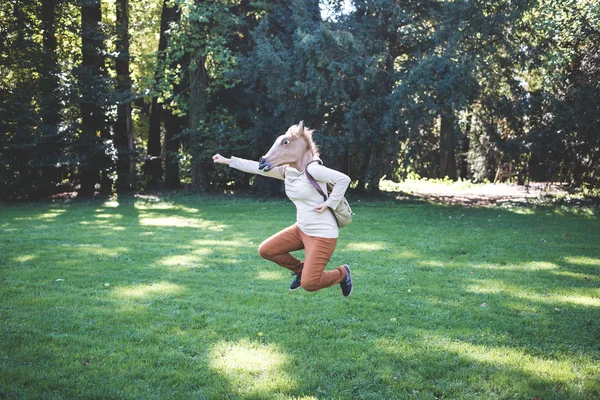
(313,181)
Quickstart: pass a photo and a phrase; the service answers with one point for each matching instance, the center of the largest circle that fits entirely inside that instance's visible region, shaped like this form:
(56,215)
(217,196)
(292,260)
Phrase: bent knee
(310,286)
(264,252)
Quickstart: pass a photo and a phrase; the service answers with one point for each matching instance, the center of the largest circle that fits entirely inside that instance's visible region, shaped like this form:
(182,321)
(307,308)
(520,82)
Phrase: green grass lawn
(145,298)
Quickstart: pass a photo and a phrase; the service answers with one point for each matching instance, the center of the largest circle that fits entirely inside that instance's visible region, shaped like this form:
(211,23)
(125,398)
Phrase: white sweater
(304,195)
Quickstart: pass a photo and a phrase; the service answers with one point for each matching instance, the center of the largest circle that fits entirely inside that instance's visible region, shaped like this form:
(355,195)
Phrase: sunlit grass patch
(586,261)
(431,263)
(179,222)
(540,265)
(183,260)
(98,250)
(252,368)
(582,300)
(366,246)
(109,216)
(54,213)
(159,205)
(111,204)
(145,291)
(24,258)
(221,243)
(513,359)
(274,275)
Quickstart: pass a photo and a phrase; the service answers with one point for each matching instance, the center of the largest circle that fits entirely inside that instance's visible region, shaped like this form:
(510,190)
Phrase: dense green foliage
(159,298)
(130,94)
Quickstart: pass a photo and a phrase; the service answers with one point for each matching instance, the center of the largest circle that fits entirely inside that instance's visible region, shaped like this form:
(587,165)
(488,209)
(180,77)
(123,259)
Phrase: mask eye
(285,142)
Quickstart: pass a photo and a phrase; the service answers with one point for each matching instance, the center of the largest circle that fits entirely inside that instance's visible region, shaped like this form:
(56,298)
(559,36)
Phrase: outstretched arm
(249,166)
(219,159)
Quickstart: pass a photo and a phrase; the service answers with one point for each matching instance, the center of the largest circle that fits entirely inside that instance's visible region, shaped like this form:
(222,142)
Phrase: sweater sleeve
(338,180)
(251,167)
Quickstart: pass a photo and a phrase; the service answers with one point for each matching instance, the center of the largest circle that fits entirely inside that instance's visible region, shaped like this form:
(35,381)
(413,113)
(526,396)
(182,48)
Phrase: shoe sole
(350,275)
(296,288)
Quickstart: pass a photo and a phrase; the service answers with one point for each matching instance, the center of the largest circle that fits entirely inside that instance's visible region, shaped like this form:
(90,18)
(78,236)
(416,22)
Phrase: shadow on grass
(449,302)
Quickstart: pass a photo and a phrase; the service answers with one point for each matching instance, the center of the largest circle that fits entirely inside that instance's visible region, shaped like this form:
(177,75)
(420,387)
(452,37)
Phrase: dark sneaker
(296,283)
(346,284)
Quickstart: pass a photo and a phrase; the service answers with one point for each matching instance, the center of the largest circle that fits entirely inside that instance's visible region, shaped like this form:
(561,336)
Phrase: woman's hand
(321,208)
(219,159)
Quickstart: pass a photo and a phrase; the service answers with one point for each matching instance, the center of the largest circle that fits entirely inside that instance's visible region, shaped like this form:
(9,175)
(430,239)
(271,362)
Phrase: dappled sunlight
(490,266)
(573,275)
(221,243)
(270,275)
(165,206)
(513,358)
(24,258)
(103,222)
(253,369)
(144,291)
(490,286)
(51,214)
(582,211)
(520,210)
(181,222)
(432,263)
(109,216)
(97,249)
(583,261)
(186,260)
(539,265)
(404,255)
(366,246)
(180,260)
(528,266)
(111,204)
(48,215)
(580,300)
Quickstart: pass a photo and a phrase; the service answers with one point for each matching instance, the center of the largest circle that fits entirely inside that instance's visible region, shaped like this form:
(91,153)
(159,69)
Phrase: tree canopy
(118,95)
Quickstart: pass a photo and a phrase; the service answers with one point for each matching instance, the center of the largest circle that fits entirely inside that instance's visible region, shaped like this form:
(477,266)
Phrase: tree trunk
(50,100)
(447,144)
(92,82)
(173,126)
(175,123)
(123,125)
(153,167)
(463,162)
(197,110)
(374,168)
(153,164)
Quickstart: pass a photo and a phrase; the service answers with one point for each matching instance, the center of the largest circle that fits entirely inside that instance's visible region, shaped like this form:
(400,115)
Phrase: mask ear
(300,127)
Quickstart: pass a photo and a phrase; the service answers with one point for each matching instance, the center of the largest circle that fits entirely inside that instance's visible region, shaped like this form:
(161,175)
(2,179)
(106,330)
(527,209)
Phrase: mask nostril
(262,164)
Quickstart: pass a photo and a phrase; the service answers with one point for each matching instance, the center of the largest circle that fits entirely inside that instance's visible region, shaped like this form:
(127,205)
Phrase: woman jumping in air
(316,229)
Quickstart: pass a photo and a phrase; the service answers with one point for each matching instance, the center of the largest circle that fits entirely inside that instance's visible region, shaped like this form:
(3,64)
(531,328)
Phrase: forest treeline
(120,95)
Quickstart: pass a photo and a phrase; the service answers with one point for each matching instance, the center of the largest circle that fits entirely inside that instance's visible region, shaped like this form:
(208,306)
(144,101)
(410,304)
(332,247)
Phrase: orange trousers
(317,252)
